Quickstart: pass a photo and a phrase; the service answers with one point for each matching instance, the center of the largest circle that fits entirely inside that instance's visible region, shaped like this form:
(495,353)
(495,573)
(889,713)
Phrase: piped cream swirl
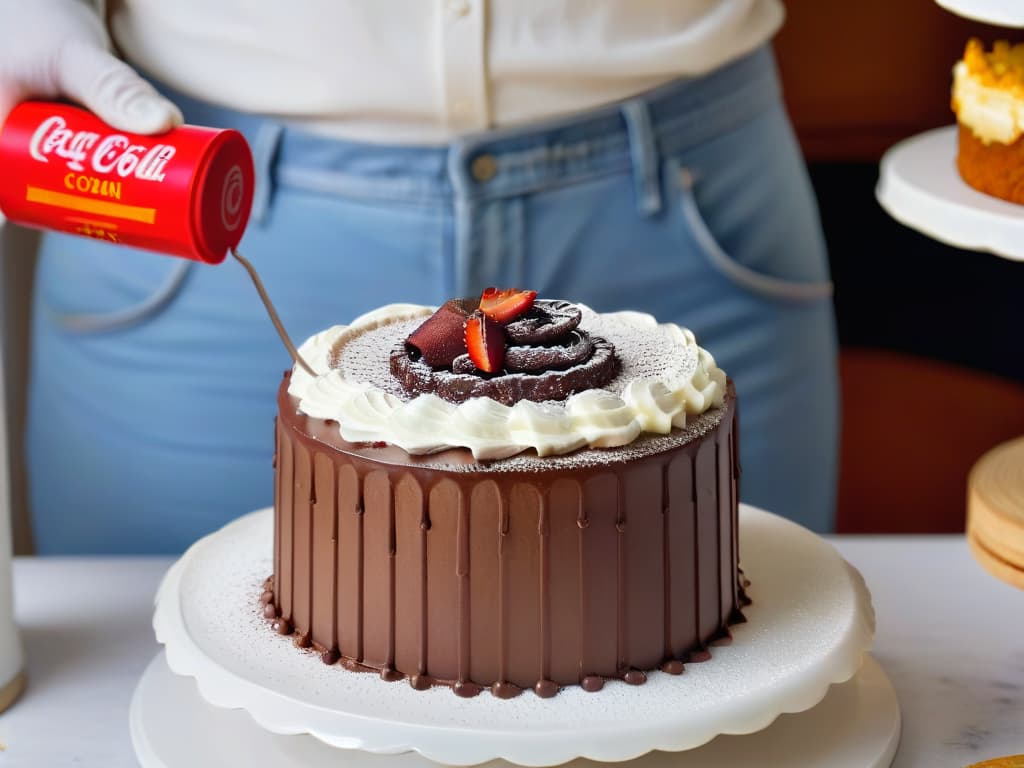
(988,91)
(993,114)
(665,376)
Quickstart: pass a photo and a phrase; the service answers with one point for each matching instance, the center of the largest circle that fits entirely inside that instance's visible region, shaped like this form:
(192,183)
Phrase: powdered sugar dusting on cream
(364,356)
(664,377)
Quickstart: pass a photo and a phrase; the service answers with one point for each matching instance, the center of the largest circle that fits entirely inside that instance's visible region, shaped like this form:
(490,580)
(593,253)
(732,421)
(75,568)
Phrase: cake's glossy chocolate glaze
(501,577)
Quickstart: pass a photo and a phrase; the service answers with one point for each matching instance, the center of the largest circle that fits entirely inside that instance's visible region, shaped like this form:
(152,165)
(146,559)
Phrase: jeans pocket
(88,287)
(695,229)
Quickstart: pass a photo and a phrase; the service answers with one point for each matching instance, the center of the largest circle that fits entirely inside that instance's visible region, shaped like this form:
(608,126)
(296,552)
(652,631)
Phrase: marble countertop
(950,637)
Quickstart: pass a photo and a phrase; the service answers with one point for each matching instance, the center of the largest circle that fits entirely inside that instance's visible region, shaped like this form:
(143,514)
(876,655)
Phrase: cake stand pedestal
(1006,13)
(995,512)
(808,629)
(919,186)
(856,724)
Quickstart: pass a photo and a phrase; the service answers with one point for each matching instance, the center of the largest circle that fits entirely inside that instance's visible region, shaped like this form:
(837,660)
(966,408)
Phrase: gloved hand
(51,48)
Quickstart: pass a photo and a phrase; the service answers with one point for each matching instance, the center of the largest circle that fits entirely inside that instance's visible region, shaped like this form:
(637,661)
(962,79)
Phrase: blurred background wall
(932,356)
(932,353)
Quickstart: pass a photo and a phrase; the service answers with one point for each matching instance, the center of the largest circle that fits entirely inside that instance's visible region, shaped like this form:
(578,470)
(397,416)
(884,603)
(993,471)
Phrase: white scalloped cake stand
(809,627)
(1007,13)
(919,186)
(856,724)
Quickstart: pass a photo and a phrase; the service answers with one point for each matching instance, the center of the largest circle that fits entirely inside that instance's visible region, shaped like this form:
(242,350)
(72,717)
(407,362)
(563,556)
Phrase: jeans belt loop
(264,152)
(643,151)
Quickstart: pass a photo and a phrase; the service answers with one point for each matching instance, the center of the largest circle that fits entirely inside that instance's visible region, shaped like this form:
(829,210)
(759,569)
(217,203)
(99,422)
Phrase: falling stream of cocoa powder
(274,318)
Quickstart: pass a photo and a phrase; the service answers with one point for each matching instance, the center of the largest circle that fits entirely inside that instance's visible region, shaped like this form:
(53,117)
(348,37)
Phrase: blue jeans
(153,379)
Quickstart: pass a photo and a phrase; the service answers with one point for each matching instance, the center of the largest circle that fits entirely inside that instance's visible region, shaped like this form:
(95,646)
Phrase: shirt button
(483,167)
(458,8)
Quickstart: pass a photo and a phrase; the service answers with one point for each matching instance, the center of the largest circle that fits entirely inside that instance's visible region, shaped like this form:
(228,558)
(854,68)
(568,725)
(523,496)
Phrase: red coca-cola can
(187,192)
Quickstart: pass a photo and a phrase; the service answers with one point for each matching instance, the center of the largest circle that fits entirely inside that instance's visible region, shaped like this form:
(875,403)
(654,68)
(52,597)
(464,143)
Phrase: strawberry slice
(485,342)
(505,305)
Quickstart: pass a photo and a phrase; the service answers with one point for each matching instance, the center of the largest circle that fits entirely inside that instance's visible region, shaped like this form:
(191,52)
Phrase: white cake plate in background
(919,186)
(809,627)
(1006,13)
(856,725)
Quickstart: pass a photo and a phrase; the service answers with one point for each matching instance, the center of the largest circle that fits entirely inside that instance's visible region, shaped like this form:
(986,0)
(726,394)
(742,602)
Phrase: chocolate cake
(507,511)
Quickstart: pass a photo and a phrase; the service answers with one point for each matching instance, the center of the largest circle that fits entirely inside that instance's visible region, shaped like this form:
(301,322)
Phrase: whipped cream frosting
(664,377)
(994,114)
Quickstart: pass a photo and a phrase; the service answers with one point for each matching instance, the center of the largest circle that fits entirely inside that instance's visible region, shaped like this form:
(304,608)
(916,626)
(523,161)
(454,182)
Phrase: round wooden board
(995,511)
(10,692)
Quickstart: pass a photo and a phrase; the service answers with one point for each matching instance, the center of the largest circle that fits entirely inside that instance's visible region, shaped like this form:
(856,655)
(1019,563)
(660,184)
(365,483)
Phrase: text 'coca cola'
(187,192)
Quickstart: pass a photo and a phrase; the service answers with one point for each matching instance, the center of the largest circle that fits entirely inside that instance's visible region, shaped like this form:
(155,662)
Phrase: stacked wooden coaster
(995,512)
(11,691)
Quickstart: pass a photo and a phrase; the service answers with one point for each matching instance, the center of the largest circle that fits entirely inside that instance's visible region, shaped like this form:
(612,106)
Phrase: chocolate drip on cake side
(621,643)
(286,476)
(464,686)
(388,670)
(504,580)
(545,687)
(420,679)
(502,688)
(726,567)
(671,665)
(741,599)
(325,558)
(278,507)
(302,536)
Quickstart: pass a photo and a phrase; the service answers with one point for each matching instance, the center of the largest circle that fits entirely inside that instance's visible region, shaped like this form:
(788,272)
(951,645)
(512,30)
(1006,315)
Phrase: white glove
(51,48)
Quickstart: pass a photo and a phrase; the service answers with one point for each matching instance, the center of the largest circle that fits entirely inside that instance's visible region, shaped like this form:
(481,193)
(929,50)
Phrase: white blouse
(422,71)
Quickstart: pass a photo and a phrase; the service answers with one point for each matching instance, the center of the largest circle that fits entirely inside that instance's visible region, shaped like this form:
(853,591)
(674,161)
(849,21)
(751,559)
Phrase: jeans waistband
(631,134)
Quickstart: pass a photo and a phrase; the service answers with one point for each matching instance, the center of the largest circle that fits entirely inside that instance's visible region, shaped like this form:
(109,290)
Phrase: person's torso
(423,71)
